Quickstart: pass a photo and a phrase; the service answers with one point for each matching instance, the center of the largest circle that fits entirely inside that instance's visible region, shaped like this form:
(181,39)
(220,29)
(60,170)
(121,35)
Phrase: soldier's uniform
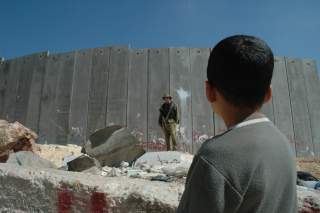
(168,119)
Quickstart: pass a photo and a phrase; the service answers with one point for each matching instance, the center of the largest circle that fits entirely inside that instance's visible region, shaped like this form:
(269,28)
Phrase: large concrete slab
(24,87)
(138,94)
(202,115)
(63,97)
(281,100)
(180,89)
(313,100)
(159,75)
(118,86)
(12,88)
(47,122)
(299,107)
(80,97)
(4,73)
(34,102)
(97,105)
(47,190)
(113,144)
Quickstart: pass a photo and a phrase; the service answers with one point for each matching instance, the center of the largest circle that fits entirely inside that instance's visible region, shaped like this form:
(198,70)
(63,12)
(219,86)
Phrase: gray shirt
(246,169)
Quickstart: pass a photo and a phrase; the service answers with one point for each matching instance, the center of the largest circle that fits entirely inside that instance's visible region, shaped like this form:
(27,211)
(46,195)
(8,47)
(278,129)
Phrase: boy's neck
(232,115)
(232,120)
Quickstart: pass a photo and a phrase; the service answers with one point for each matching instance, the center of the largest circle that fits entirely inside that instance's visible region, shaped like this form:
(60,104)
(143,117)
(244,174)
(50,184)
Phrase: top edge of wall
(136,49)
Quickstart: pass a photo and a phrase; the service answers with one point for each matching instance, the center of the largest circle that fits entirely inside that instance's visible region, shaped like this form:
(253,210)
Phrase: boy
(250,167)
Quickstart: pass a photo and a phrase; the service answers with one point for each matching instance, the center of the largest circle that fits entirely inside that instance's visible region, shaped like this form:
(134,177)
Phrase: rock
(29,159)
(15,137)
(171,163)
(83,163)
(160,158)
(124,164)
(112,145)
(308,200)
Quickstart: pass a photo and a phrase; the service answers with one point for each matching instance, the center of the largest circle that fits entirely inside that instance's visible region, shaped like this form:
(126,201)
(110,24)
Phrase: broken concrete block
(15,137)
(29,159)
(172,163)
(82,163)
(308,199)
(112,145)
(160,158)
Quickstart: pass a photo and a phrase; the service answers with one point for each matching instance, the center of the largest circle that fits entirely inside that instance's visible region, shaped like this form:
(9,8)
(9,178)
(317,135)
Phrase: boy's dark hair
(241,68)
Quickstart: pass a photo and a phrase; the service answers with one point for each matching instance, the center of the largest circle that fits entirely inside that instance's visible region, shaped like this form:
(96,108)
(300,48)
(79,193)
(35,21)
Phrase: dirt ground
(56,153)
(311,166)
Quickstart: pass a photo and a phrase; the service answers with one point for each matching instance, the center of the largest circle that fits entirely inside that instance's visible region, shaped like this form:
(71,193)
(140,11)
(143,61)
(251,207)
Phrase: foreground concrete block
(46,190)
(112,145)
(34,190)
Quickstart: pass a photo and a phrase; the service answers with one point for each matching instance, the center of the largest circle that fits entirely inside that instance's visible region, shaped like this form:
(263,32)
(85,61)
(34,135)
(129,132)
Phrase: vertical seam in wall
(291,110)
(85,131)
(71,93)
(43,66)
(128,70)
(169,65)
(148,98)
(191,96)
(108,85)
(308,105)
(41,90)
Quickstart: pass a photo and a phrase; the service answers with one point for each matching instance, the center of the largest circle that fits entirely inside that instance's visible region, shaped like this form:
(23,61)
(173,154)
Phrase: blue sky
(290,27)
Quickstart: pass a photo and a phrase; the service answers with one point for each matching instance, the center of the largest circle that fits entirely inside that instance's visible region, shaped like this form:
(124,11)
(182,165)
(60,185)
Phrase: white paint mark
(183,94)
(138,115)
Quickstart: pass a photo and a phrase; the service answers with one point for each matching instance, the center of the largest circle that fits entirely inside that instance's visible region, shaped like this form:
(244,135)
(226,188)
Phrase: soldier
(168,119)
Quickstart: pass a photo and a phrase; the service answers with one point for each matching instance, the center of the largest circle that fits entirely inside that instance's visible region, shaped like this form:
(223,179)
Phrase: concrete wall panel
(118,86)
(180,89)
(158,84)
(47,122)
(80,97)
(97,105)
(138,93)
(313,100)
(299,104)
(34,102)
(4,74)
(202,115)
(63,97)
(12,88)
(24,87)
(281,100)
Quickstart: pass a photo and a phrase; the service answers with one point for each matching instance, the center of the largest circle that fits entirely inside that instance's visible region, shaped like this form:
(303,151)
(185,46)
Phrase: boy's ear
(210,92)
(268,95)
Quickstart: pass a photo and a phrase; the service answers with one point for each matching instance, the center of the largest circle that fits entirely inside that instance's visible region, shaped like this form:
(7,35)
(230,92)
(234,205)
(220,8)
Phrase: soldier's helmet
(166,95)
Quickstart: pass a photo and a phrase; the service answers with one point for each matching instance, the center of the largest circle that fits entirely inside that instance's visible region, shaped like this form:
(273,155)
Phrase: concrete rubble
(112,145)
(114,175)
(15,137)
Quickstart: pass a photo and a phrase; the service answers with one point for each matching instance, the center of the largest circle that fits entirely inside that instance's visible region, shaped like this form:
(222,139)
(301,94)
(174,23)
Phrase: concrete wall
(66,96)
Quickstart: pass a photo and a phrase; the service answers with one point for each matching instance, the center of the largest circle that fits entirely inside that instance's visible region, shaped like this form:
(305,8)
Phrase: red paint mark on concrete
(99,203)
(64,201)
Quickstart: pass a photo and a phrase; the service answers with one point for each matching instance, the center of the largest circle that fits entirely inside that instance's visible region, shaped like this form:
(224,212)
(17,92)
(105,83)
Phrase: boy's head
(240,68)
